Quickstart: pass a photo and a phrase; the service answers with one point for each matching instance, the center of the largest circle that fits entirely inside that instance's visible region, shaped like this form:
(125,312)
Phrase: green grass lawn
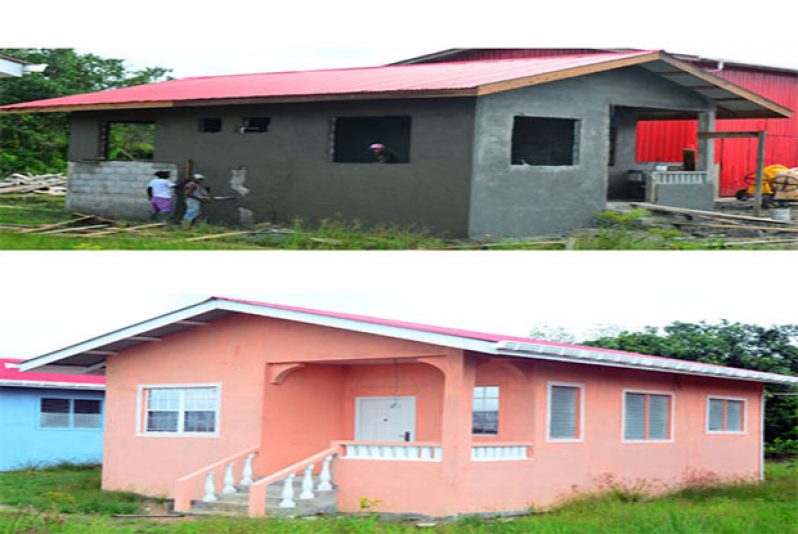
(770,507)
(616,231)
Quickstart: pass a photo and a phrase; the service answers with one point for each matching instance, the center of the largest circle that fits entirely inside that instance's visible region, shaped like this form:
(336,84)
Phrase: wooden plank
(726,135)
(526,81)
(727,85)
(219,236)
(77,229)
(734,227)
(707,214)
(57,225)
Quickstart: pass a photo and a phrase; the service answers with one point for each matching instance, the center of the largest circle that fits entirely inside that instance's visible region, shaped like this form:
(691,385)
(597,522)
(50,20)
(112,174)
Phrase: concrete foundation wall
(112,188)
(518,200)
(288,171)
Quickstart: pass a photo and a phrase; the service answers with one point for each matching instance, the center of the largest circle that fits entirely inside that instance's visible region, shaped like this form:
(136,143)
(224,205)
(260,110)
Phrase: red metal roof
(10,374)
(382,79)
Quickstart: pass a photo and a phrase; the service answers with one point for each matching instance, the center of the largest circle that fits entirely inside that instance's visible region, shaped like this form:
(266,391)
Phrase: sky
(236,36)
(53,299)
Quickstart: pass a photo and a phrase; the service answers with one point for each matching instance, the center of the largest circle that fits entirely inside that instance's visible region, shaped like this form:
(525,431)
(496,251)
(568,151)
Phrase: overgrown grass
(755,508)
(65,488)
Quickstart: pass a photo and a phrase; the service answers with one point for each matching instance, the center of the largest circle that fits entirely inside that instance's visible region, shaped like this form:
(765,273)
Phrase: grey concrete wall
(288,171)
(516,200)
(690,196)
(112,188)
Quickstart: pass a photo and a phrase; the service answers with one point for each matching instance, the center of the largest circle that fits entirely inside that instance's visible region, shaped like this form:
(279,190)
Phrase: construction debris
(732,228)
(48,184)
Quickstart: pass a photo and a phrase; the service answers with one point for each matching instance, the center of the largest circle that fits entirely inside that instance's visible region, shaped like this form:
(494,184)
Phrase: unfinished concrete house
(508,147)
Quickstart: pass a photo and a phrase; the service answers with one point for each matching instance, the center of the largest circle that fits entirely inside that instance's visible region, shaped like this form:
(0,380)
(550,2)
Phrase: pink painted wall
(559,470)
(234,352)
(314,405)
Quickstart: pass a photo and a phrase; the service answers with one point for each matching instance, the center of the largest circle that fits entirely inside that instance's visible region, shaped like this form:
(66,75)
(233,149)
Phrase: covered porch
(397,435)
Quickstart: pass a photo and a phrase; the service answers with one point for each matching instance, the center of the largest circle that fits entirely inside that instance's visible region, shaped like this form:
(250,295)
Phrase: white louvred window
(647,416)
(565,412)
(725,415)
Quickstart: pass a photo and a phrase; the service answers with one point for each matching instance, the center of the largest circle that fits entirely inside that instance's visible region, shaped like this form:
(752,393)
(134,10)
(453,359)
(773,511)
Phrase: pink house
(260,408)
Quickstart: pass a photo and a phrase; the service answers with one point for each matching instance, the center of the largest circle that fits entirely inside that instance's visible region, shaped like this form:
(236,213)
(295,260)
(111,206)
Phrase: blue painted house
(48,418)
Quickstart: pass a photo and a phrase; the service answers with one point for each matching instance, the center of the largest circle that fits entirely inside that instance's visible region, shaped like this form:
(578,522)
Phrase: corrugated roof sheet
(401,78)
(12,374)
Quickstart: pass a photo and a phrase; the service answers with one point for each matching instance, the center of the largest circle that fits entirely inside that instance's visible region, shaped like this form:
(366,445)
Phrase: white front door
(385,418)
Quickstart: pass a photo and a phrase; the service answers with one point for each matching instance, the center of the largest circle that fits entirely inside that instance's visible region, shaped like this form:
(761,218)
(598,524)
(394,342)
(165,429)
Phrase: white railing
(493,452)
(226,470)
(678,177)
(409,452)
(288,498)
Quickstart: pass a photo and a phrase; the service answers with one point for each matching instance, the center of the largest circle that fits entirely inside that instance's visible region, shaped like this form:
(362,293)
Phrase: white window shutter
(715,415)
(563,412)
(734,419)
(658,417)
(635,413)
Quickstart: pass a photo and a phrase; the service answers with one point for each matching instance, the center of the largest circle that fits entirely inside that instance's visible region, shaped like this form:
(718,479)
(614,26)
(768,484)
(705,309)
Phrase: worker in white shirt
(160,192)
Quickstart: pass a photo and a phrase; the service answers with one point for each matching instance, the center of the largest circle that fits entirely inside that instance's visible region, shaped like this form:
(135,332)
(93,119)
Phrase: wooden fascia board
(89,107)
(727,85)
(564,74)
(343,97)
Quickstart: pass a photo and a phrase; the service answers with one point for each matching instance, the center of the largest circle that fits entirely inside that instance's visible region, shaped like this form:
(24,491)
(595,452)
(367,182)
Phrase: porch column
(458,391)
(706,147)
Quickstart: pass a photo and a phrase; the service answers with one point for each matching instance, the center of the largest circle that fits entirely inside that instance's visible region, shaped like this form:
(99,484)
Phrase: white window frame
(498,412)
(743,419)
(580,424)
(672,413)
(141,411)
(71,414)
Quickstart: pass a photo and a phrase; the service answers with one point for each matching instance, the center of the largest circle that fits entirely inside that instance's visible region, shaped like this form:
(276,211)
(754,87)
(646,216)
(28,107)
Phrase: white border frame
(580,423)
(140,409)
(358,416)
(727,432)
(498,412)
(671,394)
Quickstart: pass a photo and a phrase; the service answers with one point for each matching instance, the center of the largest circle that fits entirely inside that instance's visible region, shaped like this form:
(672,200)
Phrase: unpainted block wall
(519,200)
(112,188)
(288,172)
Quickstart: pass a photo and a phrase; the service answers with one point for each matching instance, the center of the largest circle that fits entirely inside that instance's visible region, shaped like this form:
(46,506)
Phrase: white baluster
(325,479)
(412,453)
(229,482)
(401,452)
(288,493)
(438,453)
(246,474)
(210,490)
(386,451)
(374,451)
(425,453)
(362,451)
(307,484)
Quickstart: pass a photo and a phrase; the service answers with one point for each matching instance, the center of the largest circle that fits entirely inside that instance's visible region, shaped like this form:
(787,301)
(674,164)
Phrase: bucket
(780,214)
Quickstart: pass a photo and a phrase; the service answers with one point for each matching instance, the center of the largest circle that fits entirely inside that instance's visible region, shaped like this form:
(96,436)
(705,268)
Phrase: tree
(37,143)
(771,349)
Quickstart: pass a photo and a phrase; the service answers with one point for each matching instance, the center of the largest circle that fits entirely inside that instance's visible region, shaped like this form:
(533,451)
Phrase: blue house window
(70,413)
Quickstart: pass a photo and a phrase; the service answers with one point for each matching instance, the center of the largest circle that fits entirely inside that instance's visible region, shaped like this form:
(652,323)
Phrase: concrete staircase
(237,504)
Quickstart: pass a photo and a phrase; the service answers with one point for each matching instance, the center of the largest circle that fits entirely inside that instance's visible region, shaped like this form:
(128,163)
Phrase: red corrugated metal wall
(510,53)
(664,140)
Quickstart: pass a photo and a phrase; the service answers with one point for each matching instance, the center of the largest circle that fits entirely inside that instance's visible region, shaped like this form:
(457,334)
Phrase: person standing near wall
(196,194)
(160,192)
